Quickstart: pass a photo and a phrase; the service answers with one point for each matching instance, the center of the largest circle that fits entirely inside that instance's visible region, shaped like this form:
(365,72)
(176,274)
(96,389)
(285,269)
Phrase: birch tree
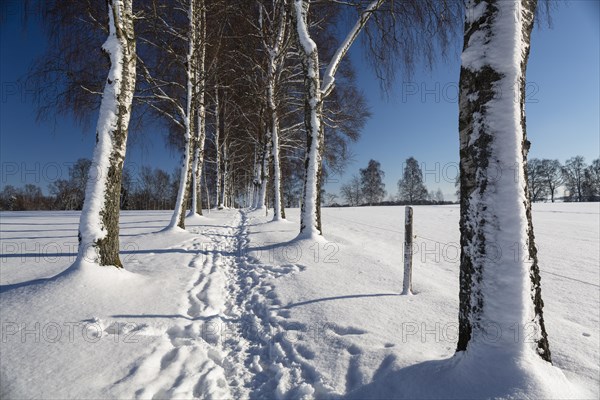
(371,179)
(200,136)
(400,30)
(591,184)
(535,180)
(315,92)
(275,37)
(574,177)
(175,67)
(99,223)
(500,285)
(411,187)
(352,191)
(178,217)
(551,173)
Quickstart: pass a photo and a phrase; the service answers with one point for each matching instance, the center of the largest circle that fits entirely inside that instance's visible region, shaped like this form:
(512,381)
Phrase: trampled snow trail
(187,361)
(225,342)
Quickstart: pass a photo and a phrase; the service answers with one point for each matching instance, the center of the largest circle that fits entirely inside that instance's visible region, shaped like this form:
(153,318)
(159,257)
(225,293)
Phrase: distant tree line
(146,189)
(142,188)
(581,182)
(369,189)
(156,189)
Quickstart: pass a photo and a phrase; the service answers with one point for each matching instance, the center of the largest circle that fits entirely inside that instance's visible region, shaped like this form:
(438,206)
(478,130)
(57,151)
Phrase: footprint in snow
(305,352)
(354,350)
(348,330)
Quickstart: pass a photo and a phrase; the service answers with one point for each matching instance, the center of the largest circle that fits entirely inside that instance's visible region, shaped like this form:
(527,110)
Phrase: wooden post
(408,234)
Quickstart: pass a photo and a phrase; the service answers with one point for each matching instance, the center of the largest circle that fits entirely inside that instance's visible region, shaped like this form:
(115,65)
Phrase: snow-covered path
(187,362)
(223,343)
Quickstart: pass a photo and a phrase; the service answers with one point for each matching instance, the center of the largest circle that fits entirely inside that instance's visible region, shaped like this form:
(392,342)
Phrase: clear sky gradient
(420,118)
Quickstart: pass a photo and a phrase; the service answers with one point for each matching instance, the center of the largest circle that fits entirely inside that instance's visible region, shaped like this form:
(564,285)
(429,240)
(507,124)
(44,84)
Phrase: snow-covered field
(236,308)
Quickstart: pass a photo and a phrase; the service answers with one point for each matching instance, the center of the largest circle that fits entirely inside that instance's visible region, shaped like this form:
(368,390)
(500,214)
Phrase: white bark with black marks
(218,200)
(200,139)
(310,214)
(264,173)
(225,187)
(275,48)
(178,217)
(313,113)
(499,274)
(99,223)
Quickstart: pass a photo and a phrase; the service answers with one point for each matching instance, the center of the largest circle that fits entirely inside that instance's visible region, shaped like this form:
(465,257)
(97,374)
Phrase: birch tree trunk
(276,51)
(207,193)
(256,180)
(264,173)
(224,197)
(310,213)
(201,114)
(310,224)
(278,210)
(195,176)
(200,164)
(499,274)
(218,148)
(99,222)
(178,217)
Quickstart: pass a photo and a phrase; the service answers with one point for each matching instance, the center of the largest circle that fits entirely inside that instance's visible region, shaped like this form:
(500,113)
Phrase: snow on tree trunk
(195,176)
(278,210)
(310,224)
(200,157)
(276,52)
(310,214)
(178,217)
(201,117)
(225,187)
(217,147)
(499,274)
(264,173)
(99,223)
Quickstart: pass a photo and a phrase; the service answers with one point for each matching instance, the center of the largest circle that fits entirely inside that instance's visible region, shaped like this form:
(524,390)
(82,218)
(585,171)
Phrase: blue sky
(420,119)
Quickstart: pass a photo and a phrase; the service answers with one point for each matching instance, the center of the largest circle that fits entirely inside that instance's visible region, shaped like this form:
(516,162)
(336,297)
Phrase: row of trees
(145,188)
(241,88)
(257,66)
(581,181)
(156,189)
(65,194)
(369,189)
(151,189)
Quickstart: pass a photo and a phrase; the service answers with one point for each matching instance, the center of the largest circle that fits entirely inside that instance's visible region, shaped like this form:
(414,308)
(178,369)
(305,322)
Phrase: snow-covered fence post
(408,229)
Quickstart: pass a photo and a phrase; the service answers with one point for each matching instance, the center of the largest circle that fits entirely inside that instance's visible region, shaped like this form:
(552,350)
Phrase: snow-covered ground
(236,308)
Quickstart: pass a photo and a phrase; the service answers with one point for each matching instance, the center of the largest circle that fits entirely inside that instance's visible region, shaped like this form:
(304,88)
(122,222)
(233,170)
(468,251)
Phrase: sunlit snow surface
(236,308)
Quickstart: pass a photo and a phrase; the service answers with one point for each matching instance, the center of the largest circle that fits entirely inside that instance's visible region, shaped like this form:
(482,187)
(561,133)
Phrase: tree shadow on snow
(70,268)
(39,281)
(350,296)
(464,376)
(172,316)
